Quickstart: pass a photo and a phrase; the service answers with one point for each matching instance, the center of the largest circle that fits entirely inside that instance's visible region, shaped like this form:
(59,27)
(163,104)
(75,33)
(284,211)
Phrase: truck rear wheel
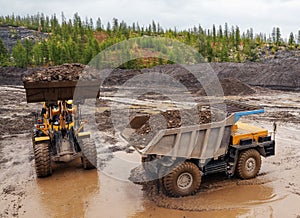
(249,164)
(185,179)
(42,159)
(89,154)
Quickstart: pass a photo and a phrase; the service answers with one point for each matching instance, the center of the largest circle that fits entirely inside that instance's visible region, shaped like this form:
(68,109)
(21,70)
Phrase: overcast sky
(262,15)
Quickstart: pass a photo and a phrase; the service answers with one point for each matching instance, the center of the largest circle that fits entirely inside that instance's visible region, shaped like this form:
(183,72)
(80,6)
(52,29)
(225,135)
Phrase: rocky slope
(9,35)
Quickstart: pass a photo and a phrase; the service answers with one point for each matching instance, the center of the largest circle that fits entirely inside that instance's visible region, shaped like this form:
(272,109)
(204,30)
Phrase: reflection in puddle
(74,192)
(65,194)
(220,195)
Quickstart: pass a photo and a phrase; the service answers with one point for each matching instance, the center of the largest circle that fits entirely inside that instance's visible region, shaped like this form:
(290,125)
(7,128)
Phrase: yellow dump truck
(179,157)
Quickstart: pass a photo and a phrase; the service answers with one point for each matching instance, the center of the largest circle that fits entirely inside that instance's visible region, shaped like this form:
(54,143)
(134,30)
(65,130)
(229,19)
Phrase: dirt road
(73,192)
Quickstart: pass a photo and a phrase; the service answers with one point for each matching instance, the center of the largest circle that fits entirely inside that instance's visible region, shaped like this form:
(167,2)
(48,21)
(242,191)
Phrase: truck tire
(89,154)
(249,164)
(42,159)
(185,179)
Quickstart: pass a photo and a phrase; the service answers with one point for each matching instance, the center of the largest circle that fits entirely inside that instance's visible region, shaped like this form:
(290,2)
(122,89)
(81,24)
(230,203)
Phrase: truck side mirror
(274,127)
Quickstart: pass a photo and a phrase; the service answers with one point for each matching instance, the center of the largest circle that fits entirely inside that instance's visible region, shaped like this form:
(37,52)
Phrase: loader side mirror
(36,116)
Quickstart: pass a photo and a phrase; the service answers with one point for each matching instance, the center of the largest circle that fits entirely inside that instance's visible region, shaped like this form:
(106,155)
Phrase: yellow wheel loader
(58,134)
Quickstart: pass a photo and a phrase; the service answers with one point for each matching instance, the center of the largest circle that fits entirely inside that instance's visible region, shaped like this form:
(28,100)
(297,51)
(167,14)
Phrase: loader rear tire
(42,160)
(249,164)
(183,180)
(89,154)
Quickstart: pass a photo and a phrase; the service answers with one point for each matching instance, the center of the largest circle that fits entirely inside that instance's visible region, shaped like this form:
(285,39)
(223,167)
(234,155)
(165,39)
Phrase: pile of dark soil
(183,75)
(280,73)
(180,73)
(11,75)
(17,124)
(232,87)
(118,77)
(62,72)
(104,121)
(16,117)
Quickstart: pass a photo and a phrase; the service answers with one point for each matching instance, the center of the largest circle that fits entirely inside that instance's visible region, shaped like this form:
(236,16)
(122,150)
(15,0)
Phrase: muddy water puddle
(73,192)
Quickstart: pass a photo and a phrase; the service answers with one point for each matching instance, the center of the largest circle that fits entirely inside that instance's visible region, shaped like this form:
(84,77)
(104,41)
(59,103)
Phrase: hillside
(10,35)
(40,40)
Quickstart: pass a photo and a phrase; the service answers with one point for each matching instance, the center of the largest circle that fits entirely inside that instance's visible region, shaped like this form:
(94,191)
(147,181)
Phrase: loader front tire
(249,164)
(183,180)
(42,160)
(89,154)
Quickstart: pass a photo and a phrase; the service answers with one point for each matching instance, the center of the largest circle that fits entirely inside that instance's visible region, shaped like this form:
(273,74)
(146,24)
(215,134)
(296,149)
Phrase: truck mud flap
(269,149)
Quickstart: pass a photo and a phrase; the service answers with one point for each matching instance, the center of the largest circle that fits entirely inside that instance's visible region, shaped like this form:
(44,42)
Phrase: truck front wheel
(249,164)
(185,179)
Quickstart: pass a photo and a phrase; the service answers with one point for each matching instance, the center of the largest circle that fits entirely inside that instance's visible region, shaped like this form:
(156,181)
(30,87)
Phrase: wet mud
(74,192)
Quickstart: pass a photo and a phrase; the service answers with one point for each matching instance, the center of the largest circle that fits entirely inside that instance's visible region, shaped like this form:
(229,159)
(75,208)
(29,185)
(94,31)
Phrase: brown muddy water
(74,192)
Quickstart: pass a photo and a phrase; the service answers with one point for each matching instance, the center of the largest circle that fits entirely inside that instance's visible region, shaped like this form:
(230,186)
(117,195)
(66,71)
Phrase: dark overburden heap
(61,72)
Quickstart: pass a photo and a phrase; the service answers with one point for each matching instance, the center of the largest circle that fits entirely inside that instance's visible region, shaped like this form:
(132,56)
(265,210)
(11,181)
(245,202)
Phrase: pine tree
(278,36)
(214,33)
(19,55)
(274,35)
(251,34)
(133,27)
(237,37)
(45,51)
(3,54)
(291,39)
(38,54)
(226,31)
(28,45)
(154,27)
(108,28)
(115,25)
(220,33)
(99,25)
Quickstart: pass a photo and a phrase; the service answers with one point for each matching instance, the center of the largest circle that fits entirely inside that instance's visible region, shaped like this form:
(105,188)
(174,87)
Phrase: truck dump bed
(198,141)
(203,141)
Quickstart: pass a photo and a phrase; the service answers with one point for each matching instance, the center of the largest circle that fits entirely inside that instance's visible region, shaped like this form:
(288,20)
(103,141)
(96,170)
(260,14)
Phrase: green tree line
(79,40)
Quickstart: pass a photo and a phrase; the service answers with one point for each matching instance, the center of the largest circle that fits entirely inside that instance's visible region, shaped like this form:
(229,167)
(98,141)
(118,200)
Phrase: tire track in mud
(217,192)
(16,170)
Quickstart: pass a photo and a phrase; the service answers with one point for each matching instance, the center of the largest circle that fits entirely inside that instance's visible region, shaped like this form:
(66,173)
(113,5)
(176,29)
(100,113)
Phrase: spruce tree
(274,35)
(278,36)
(291,39)
(3,54)
(19,55)
(38,54)
(99,24)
